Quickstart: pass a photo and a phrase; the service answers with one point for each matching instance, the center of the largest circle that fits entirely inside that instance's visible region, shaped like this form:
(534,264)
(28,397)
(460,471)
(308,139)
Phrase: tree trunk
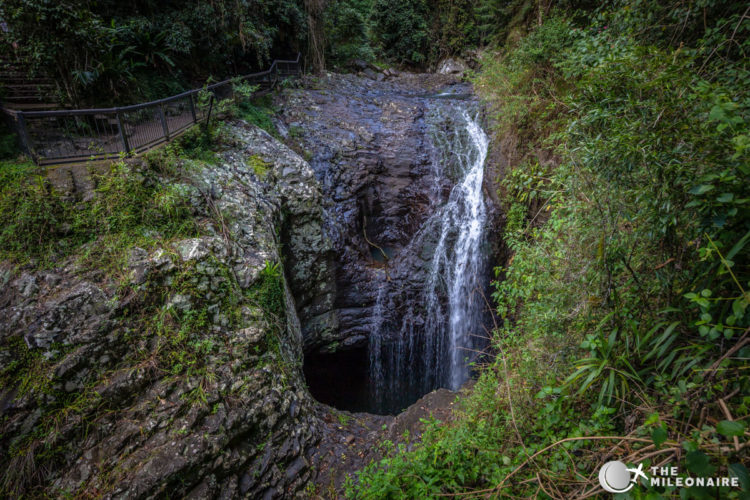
(316,34)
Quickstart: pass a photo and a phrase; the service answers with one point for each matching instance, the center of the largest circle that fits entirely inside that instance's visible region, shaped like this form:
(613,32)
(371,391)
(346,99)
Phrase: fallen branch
(668,261)
(727,414)
(739,345)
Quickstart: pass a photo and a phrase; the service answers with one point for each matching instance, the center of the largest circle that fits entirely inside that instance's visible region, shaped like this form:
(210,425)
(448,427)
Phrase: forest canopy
(103,52)
(149,48)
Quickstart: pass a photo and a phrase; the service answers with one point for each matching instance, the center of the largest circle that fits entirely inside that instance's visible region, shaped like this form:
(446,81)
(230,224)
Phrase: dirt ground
(353,440)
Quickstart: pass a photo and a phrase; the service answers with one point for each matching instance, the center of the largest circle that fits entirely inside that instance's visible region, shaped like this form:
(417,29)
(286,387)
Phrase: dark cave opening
(340,379)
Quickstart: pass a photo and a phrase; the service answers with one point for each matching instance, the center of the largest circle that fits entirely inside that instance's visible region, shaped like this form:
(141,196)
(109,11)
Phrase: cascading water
(463,216)
(431,343)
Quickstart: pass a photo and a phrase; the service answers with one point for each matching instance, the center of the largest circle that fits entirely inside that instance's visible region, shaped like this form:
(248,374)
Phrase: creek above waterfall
(399,310)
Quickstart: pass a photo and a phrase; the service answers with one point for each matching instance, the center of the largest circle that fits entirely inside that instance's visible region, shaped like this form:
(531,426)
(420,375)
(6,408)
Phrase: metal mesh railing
(54,137)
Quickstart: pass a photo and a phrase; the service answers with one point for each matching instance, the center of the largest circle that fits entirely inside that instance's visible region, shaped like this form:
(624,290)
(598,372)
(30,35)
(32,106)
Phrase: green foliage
(492,16)
(347,31)
(180,317)
(197,143)
(537,48)
(482,446)
(152,85)
(246,105)
(413,34)
(108,51)
(401,29)
(628,223)
(39,225)
(259,112)
(31,214)
(125,204)
(343,419)
(453,28)
(259,166)
(270,296)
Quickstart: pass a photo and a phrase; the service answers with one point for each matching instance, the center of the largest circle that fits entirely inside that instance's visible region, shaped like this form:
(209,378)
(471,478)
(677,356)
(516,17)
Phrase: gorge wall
(392,157)
(107,403)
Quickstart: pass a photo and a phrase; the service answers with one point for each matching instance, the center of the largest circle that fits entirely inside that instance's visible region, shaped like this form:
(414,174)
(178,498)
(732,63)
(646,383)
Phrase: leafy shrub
(401,30)
(347,31)
(110,52)
(260,114)
(128,206)
(453,28)
(32,215)
(545,43)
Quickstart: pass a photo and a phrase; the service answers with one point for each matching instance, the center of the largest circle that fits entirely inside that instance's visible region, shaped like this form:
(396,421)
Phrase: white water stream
(436,340)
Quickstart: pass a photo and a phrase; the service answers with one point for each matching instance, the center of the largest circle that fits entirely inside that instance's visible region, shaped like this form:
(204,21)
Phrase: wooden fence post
(210,108)
(123,135)
(192,108)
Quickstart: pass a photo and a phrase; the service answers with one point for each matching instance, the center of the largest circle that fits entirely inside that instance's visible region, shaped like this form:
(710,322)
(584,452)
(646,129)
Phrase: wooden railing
(65,136)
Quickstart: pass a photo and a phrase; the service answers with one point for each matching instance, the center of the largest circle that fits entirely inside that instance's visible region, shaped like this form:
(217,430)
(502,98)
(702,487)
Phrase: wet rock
(295,467)
(26,285)
(52,279)
(371,153)
(452,66)
(161,261)
(244,421)
(250,335)
(359,64)
(73,316)
(391,72)
(193,249)
(179,302)
(372,74)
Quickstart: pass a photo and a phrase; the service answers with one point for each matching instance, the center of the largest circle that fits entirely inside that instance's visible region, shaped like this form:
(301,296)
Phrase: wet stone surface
(372,146)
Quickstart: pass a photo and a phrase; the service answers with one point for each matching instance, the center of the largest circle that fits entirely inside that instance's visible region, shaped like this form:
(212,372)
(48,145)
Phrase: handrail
(68,135)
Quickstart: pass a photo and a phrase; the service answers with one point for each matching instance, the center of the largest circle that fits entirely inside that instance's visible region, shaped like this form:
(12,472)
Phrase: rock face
(388,155)
(120,399)
(114,406)
(369,145)
(452,66)
(368,148)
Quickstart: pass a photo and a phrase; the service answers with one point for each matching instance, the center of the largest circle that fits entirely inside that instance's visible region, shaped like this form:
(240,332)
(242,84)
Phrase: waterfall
(431,343)
(463,216)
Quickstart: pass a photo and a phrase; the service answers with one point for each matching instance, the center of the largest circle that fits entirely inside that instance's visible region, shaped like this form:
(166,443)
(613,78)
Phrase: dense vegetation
(107,52)
(625,302)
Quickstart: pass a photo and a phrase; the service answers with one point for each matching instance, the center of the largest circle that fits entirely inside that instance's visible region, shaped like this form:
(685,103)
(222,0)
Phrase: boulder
(452,66)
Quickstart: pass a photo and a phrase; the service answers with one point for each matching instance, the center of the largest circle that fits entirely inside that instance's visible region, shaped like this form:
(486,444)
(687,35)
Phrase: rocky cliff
(368,143)
(170,378)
